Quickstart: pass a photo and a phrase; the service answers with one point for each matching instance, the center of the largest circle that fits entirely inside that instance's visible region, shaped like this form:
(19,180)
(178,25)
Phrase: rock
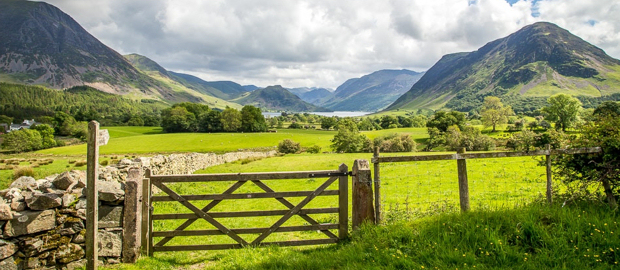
(24,183)
(18,206)
(67,200)
(30,263)
(44,185)
(110,191)
(75,265)
(8,264)
(110,216)
(80,237)
(5,211)
(44,201)
(69,253)
(81,204)
(110,243)
(7,249)
(13,195)
(64,180)
(74,223)
(81,213)
(28,222)
(38,245)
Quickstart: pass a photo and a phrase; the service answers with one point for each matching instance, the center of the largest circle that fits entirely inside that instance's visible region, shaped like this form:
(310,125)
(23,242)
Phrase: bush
(315,149)
(22,171)
(470,138)
(80,163)
(288,146)
(295,125)
(104,162)
(395,143)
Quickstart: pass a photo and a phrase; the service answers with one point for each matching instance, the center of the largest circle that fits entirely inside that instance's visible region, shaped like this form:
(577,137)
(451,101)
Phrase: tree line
(192,117)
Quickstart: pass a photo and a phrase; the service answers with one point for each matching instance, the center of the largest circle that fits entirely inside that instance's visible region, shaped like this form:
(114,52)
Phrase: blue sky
(323,43)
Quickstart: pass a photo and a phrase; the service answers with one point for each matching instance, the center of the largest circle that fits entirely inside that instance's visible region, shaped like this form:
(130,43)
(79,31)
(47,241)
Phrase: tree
(288,146)
(6,120)
(389,121)
(231,120)
(442,120)
(47,136)
(211,122)
(494,113)
(252,119)
(23,140)
(349,139)
(328,122)
(177,119)
(563,110)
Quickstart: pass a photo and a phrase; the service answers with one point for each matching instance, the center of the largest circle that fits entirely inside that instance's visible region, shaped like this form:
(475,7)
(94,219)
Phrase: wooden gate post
(377,182)
(343,202)
(363,209)
(92,198)
(549,183)
(463,183)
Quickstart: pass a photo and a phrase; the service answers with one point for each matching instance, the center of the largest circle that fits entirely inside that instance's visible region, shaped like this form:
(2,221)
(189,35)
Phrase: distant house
(26,124)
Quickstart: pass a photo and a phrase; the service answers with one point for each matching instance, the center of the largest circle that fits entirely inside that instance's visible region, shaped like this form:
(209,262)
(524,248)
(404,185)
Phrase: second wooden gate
(162,182)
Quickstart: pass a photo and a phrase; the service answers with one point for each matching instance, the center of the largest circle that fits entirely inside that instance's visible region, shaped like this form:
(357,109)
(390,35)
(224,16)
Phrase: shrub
(288,146)
(80,163)
(104,162)
(395,143)
(295,125)
(315,149)
(22,171)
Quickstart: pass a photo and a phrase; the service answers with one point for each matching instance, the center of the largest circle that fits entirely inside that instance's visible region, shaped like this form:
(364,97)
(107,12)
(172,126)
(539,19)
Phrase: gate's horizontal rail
(244,176)
(317,227)
(231,246)
(487,155)
(244,196)
(246,214)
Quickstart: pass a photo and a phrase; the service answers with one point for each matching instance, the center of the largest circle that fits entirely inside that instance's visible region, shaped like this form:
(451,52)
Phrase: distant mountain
(277,98)
(537,61)
(372,92)
(312,95)
(41,45)
(250,88)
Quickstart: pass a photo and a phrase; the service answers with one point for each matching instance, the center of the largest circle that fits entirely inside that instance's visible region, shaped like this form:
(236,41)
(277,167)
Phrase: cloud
(323,43)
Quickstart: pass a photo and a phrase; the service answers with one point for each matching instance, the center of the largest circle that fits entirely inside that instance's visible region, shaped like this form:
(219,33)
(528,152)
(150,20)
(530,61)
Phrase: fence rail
(461,157)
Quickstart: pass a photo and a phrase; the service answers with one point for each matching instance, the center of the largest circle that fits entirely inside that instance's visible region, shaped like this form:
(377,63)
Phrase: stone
(18,206)
(14,195)
(110,191)
(8,264)
(81,204)
(44,184)
(81,213)
(7,249)
(64,180)
(110,216)
(24,183)
(44,201)
(30,263)
(110,243)
(66,231)
(75,265)
(29,222)
(69,253)
(67,200)
(5,211)
(80,237)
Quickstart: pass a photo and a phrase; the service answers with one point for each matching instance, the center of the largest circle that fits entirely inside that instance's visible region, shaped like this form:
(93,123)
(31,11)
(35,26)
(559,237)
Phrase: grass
(533,237)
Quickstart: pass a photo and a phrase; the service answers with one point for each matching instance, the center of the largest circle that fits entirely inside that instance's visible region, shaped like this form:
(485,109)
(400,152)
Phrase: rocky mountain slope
(537,61)
(277,98)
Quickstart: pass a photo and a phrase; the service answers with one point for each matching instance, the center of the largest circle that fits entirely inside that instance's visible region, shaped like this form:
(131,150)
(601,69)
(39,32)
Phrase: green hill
(278,98)
(529,65)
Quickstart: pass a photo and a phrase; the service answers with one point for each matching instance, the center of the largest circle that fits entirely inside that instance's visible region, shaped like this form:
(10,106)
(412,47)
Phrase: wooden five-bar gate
(162,182)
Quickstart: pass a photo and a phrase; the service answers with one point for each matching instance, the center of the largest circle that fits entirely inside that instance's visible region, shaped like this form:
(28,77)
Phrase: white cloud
(323,43)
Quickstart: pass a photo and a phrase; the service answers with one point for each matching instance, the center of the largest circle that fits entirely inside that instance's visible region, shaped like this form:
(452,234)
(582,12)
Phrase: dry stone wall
(42,222)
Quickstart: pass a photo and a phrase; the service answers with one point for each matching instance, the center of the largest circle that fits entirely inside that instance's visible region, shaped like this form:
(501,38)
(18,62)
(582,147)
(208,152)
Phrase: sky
(322,43)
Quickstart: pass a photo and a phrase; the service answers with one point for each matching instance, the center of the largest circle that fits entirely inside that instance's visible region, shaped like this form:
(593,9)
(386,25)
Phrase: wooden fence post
(549,182)
(92,198)
(343,202)
(146,214)
(377,182)
(132,216)
(463,183)
(361,185)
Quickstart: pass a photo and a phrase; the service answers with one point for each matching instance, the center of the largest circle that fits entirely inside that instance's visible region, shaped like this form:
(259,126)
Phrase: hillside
(41,45)
(278,98)
(372,92)
(537,61)
(312,95)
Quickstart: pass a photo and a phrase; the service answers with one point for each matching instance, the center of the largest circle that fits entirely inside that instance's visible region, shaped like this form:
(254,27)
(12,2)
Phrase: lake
(328,114)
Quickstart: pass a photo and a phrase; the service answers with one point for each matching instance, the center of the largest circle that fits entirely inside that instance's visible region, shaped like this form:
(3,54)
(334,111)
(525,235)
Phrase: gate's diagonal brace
(289,205)
(205,209)
(200,213)
(294,210)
